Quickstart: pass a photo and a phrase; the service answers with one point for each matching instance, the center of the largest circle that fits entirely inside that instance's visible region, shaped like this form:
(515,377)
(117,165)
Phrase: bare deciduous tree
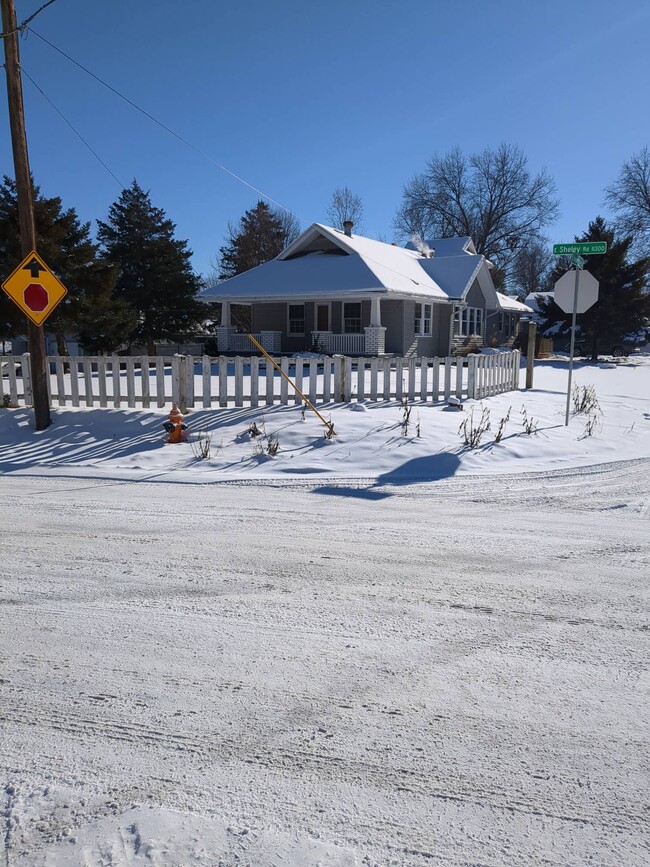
(531,268)
(629,197)
(490,196)
(343,206)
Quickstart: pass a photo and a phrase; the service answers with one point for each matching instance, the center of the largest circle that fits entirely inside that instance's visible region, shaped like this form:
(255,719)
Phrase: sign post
(579,298)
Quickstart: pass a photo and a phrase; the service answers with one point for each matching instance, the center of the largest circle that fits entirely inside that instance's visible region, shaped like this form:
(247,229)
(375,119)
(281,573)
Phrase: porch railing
(344,344)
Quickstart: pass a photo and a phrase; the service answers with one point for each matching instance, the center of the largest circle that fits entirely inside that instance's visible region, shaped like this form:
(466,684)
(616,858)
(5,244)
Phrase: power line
(186,142)
(20,27)
(164,126)
(75,131)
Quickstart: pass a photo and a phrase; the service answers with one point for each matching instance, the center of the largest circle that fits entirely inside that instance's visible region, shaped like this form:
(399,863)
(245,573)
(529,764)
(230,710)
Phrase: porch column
(225,329)
(375,332)
(375,311)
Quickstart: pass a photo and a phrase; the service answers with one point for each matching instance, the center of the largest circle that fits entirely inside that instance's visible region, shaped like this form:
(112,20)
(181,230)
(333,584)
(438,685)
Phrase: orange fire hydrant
(174,426)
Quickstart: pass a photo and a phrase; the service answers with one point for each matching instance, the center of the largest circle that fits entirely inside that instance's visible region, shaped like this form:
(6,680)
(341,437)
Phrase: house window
(352,317)
(423,318)
(507,324)
(468,321)
(296,318)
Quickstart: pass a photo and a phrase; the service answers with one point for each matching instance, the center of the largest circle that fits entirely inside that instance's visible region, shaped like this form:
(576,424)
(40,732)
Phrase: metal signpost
(576,294)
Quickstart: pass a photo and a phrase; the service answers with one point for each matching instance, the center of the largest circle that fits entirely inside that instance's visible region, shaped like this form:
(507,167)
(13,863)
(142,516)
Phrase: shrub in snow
(201,445)
(529,423)
(592,424)
(473,433)
(502,426)
(272,445)
(585,400)
(406,416)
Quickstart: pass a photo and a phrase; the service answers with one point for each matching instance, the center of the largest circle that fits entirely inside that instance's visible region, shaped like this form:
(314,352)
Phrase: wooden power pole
(38,360)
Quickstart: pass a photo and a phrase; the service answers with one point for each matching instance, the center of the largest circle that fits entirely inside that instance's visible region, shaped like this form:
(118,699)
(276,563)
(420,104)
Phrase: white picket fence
(141,381)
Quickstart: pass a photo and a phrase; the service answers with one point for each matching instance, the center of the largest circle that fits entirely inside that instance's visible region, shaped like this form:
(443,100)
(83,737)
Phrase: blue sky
(300,98)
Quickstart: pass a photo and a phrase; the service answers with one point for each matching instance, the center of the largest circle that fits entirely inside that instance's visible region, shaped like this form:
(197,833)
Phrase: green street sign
(578,261)
(589,248)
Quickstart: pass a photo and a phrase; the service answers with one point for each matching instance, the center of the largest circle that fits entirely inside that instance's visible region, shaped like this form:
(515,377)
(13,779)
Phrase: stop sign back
(587,291)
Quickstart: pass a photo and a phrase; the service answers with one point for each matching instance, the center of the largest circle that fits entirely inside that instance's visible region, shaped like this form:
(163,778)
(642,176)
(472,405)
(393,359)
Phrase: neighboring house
(504,326)
(533,301)
(335,292)
(21,344)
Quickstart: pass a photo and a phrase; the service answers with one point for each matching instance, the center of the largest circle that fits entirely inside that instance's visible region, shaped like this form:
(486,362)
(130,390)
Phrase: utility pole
(38,361)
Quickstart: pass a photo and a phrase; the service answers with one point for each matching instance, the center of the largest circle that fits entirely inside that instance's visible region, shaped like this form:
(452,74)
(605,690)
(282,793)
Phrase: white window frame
(291,319)
(468,321)
(423,319)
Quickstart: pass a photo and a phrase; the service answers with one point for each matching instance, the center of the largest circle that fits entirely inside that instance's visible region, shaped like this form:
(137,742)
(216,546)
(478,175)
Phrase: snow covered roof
(448,246)
(454,274)
(507,302)
(326,262)
(534,297)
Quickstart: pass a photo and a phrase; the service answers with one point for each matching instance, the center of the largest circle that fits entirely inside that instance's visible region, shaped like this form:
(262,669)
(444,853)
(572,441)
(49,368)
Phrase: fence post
(179,381)
(530,358)
(338,380)
(223,380)
(471,377)
(460,363)
(27,379)
(206,381)
(515,378)
(239,381)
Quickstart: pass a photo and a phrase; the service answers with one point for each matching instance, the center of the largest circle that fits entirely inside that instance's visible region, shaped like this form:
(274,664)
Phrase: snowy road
(452,673)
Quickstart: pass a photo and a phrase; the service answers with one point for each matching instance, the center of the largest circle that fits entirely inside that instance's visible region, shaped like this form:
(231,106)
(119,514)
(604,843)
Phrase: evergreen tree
(623,306)
(155,276)
(262,235)
(65,245)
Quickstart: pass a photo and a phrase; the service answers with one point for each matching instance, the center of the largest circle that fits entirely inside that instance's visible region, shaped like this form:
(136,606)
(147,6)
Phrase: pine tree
(262,235)
(155,275)
(65,245)
(623,306)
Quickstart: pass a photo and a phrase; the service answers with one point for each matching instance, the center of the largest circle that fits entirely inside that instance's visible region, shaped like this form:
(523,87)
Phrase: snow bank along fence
(195,382)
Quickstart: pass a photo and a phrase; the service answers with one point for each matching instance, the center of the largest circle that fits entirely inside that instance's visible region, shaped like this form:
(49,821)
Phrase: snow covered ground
(377,650)
(370,441)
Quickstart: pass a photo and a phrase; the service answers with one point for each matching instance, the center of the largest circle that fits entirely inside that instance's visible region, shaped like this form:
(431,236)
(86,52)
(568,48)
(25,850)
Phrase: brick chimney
(347,227)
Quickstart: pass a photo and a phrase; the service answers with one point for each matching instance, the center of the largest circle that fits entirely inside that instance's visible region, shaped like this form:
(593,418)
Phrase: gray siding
(475,297)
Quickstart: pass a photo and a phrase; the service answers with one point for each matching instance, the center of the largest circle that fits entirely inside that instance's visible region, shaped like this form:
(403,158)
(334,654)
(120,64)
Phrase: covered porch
(333,327)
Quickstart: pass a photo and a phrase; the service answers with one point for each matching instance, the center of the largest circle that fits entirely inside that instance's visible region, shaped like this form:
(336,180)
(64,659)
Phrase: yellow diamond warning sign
(34,288)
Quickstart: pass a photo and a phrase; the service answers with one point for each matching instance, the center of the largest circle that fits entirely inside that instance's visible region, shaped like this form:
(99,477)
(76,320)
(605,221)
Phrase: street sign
(565,289)
(34,288)
(587,248)
(577,260)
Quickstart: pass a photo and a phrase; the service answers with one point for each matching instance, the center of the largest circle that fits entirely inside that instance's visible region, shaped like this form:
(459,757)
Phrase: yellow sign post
(34,288)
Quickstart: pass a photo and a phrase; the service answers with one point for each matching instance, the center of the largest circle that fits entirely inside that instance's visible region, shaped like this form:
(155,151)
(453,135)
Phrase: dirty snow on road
(339,673)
